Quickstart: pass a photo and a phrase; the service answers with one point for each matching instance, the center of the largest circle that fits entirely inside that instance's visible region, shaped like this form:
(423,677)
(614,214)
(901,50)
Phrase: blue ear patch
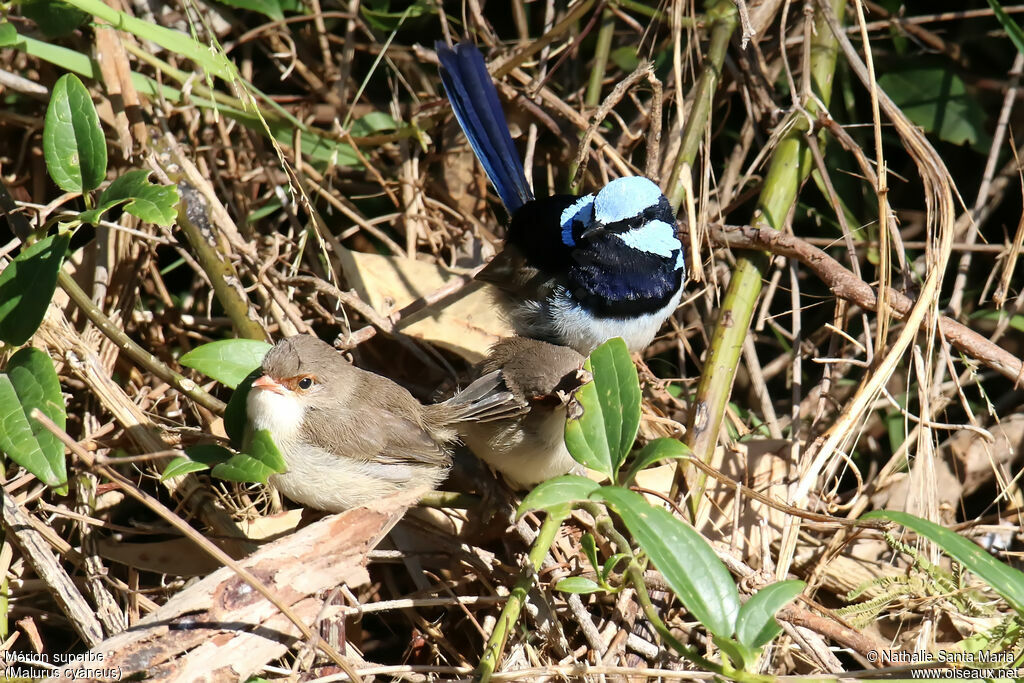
(580,211)
(624,198)
(653,237)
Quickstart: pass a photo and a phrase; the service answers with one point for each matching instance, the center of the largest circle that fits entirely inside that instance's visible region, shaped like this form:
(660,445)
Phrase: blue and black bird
(575,270)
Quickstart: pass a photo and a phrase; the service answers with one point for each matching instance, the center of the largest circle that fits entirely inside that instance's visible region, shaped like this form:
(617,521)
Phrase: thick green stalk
(601,51)
(790,165)
(223,277)
(517,598)
(723,18)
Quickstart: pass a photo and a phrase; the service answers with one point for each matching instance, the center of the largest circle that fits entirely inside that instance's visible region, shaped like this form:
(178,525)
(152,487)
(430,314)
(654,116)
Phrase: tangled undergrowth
(821,366)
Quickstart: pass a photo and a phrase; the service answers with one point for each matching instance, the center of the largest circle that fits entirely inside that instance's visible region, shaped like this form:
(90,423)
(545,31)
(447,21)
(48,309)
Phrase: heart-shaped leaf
(150,202)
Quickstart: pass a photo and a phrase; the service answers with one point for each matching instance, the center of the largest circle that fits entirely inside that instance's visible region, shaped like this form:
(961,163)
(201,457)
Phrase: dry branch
(223,629)
(848,286)
(37,550)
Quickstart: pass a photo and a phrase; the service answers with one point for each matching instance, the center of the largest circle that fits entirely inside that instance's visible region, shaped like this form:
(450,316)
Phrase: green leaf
(183,45)
(611,563)
(26,287)
(590,550)
(261,459)
(557,492)
(684,558)
(756,625)
(577,584)
(54,18)
(150,202)
(659,449)
(208,453)
(936,99)
(1004,579)
(373,123)
(8,34)
(740,655)
(379,16)
(228,361)
(197,458)
(268,8)
(235,415)
(1015,321)
(625,58)
(181,466)
(19,443)
(1011,27)
(602,436)
(73,144)
(36,383)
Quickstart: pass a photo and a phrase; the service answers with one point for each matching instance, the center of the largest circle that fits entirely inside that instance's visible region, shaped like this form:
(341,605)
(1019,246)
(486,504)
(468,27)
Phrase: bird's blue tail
(475,101)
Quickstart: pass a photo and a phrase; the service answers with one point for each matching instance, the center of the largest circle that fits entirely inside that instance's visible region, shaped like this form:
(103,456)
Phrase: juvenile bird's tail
(484,400)
(478,110)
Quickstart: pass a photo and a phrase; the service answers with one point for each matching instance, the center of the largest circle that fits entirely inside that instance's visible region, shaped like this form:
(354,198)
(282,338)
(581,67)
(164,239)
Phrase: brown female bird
(349,436)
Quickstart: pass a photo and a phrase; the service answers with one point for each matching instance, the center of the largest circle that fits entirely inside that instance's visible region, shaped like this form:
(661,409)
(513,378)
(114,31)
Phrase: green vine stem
(449,499)
(790,165)
(634,575)
(601,52)
(517,598)
(723,18)
(133,350)
(222,275)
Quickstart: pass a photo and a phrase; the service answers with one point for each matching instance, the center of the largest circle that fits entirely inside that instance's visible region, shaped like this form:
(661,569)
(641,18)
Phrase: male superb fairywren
(575,270)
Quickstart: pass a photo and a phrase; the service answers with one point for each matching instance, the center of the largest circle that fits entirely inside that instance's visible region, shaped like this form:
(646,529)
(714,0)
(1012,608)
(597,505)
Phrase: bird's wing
(536,254)
(511,272)
(388,439)
(475,102)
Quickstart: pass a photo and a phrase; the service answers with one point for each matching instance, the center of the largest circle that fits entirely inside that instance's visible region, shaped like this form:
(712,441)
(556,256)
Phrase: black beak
(595,230)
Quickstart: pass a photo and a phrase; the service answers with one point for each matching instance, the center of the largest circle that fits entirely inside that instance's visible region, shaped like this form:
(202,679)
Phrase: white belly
(566,323)
(525,451)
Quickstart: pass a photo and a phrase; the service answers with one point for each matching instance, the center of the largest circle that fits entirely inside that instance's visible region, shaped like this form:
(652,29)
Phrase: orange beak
(269,384)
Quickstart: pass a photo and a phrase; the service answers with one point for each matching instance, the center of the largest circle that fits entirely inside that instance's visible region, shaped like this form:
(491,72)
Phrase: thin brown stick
(204,543)
(845,285)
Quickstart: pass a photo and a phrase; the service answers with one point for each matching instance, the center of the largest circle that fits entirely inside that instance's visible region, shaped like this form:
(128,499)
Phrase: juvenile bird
(349,436)
(528,448)
(575,270)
